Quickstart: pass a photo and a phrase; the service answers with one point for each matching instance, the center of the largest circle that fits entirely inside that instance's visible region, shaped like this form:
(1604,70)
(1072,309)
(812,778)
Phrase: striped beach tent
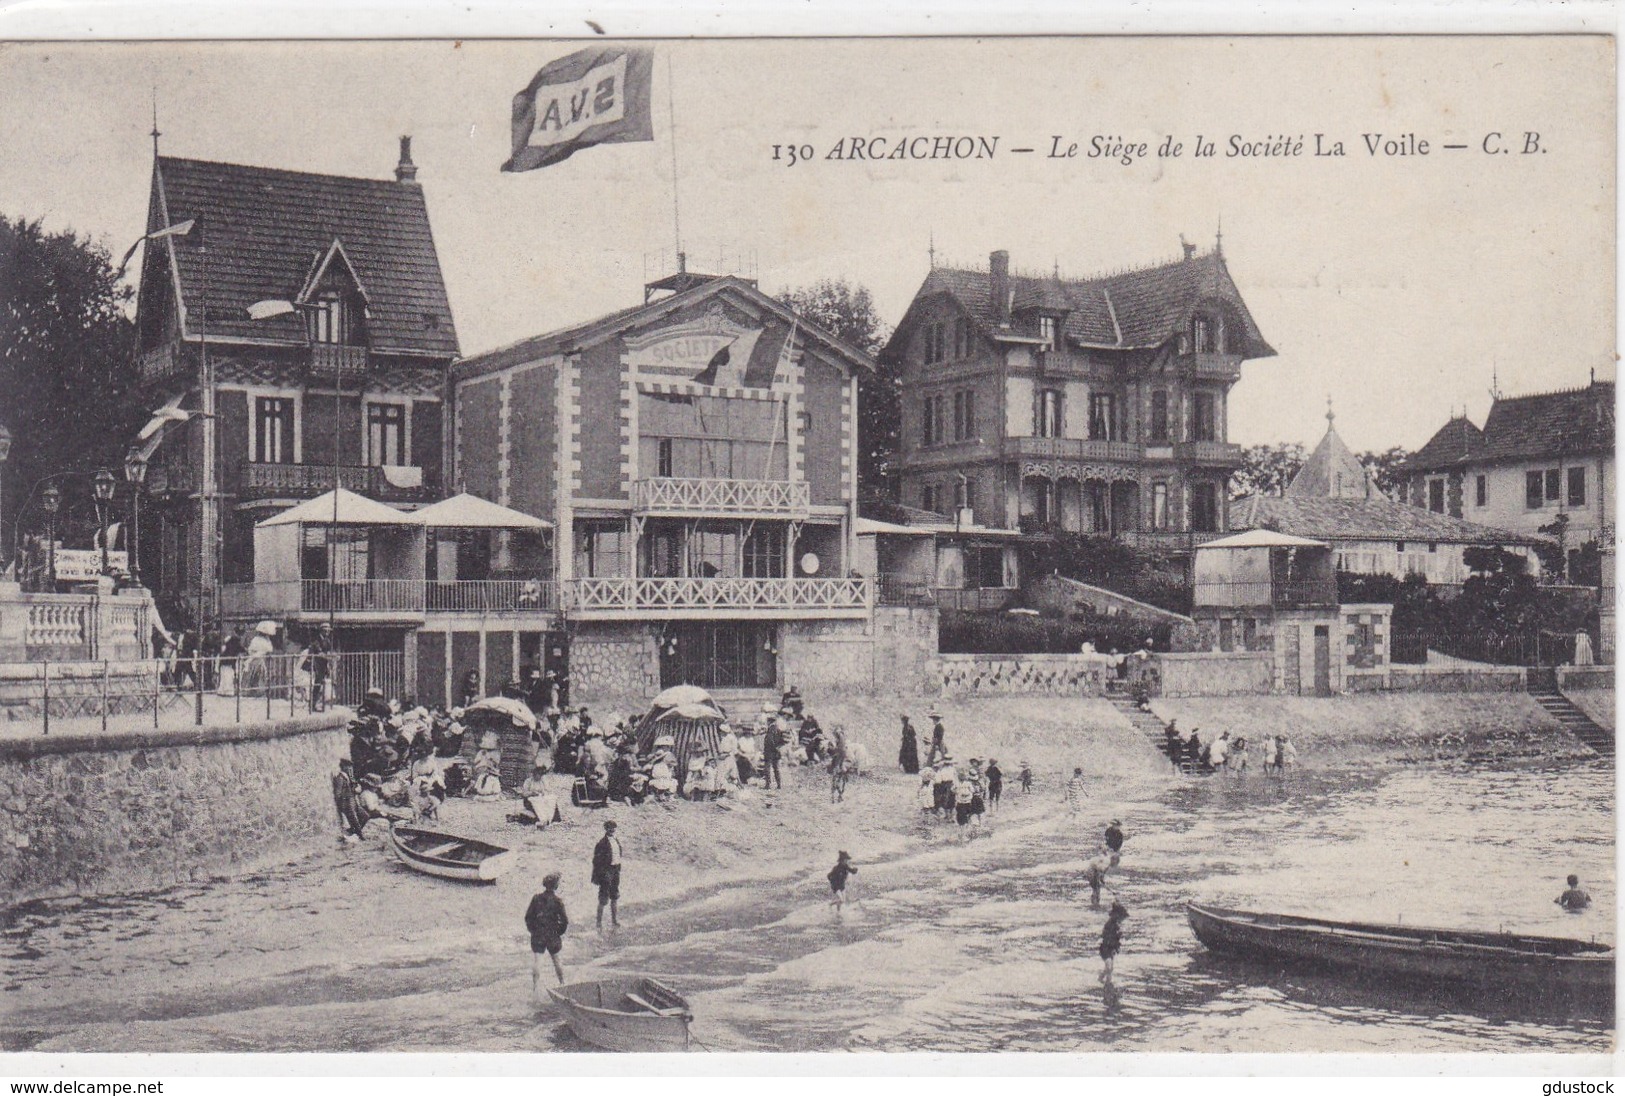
(692,718)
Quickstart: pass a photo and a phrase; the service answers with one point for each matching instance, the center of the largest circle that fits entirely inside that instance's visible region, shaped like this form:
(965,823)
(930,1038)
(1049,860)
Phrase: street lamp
(135,473)
(268,310)
(52,501)
(5,451)
(103,485)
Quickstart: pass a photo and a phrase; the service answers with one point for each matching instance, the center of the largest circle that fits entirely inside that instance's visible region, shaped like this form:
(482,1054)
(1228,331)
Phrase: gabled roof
(1456,442)
(1133,309)
(571,339)
(1332,472)
(1344,519)
(1262,538)
(1571,422)
(266,229)
(467,511)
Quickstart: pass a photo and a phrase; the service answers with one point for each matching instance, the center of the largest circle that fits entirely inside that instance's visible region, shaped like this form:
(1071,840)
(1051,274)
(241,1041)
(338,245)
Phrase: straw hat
(489,741)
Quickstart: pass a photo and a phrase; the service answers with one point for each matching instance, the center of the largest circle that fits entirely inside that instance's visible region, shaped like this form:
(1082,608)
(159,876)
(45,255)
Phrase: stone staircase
(1147,723)
(1542,686)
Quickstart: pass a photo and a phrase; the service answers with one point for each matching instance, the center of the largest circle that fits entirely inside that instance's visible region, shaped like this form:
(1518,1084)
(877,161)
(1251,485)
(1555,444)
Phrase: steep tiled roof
(1457,442)
(266,229)
(1332,472)
(1363,519)
(1549,424)
(1135,309)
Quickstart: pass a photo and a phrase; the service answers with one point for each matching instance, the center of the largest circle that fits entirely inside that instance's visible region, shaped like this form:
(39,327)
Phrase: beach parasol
(689,715)
(516,710)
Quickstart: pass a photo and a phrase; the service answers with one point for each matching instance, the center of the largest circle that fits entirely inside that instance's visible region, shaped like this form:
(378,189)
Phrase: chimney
(406,171)
(998,274)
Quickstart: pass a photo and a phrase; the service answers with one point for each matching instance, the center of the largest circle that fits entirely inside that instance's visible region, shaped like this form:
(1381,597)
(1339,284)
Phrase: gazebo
(376,554)
(470,540)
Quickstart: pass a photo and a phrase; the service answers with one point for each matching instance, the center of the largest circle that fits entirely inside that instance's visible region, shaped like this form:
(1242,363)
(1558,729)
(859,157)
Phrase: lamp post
(102,485)
(270,309)
(135,473)
(52,502)
(5,451)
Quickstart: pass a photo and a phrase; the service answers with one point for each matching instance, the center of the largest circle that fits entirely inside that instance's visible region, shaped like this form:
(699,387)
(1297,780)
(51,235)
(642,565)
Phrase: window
(927,436)
(1102,417)
(964,337)
(1531,490)
(386,433)
(1481,496)
(928,499)
(329,320)
(663,458)
(1159,506)
(1436,495)
(984,568)
(1207,334)
(273,429)
(1554,484)
(1399,546)
(1577,486)
(1204,508)
(764,551)
(964,415)
(1159,415)
(1204,417)
(935,343)
(599,549)
(1046,331)
(1051,416)
(932,431)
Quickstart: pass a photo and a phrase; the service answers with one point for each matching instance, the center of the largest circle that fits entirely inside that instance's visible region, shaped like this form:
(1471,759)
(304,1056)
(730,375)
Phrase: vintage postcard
(956,545)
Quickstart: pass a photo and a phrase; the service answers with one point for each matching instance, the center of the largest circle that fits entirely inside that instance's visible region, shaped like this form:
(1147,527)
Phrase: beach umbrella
(516,710)
(683,694)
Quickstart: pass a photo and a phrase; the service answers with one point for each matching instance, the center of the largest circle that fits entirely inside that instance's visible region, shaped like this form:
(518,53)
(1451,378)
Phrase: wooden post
(197,682)
(45,691)
(157,693)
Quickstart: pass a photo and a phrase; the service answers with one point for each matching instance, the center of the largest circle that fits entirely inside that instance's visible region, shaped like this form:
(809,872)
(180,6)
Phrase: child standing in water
(1111,940)
(838,876)
(1026,778)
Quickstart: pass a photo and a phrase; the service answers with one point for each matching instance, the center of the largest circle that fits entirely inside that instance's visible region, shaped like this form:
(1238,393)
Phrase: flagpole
(671,131)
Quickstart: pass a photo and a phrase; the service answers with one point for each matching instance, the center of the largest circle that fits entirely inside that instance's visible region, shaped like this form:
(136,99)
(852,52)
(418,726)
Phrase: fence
(150,692)
(1540,648)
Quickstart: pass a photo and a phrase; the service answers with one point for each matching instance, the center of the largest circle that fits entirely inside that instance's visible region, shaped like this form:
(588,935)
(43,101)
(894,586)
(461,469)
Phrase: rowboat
(449,856)
(631,1014)
(1511,964)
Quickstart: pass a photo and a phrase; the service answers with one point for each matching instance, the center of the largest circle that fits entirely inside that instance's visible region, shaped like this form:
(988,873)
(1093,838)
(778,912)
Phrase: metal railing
(988,599)
(1073,449)
(655,594)
(1537,648)
(301,479)
(720,496)
(1292,594)
(899,590)
(490,596)
(138,694)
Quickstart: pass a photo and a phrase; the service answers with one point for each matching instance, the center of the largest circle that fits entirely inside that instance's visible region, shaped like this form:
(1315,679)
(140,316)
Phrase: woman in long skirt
(909,755)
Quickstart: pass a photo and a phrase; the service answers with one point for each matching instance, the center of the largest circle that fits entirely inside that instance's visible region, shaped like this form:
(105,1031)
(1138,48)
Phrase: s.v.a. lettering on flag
(592,97)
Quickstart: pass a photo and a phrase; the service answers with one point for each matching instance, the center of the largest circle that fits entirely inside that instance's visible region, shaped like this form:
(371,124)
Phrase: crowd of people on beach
(1190,753)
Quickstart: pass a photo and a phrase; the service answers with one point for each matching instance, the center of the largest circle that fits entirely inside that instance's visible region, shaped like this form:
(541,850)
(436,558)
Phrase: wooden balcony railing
(1224,367)
(171,480)
(1208,452)
(642,595)
(1072,449)
(301,480)
(404,597)
(161,363)
(490,596)
(720,496)
(348,363)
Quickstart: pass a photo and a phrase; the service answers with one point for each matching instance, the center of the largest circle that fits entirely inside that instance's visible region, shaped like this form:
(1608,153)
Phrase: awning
(353,509)
(1263,538)
(467,511)
(870,527)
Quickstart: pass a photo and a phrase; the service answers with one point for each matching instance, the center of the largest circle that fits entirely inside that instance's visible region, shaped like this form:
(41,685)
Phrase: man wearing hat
(547,921)
(939,739)
(373,705)
(771,747)
(320,657)
(606,874)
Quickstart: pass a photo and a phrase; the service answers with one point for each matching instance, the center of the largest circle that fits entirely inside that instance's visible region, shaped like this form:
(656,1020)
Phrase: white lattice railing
(720,496)
(61,624)
(654,594)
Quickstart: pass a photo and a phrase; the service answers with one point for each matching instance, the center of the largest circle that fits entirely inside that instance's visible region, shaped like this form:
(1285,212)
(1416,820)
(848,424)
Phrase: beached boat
(1509,964)
(632,1014)
(449,856)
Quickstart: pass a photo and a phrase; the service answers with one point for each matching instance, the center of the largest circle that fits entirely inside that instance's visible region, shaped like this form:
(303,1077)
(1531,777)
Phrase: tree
(847,311)
(67,372)
(1266,469)
(1387,468)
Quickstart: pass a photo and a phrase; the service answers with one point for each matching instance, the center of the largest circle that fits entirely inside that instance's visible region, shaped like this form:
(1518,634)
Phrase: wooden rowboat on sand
(630,1014)
(449,856)
(1506,964)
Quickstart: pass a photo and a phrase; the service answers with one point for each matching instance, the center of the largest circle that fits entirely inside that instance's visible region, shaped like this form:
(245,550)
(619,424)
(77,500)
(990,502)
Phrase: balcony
(1212,366)
(330,360)
(668,598)
(1260,593)
(162,363)
(721,497)
(165,480)
(1167,540)
(903,590)
(300,481)
(1072,449)
(1208,452)
(389,599)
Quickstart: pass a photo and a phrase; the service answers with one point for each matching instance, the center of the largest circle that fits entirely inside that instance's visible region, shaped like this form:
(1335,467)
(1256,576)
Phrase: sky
(1400,287)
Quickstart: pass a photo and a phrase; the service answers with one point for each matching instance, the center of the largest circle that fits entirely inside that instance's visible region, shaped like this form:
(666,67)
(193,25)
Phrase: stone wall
(1584,677)
(1215,673)
(1449,679)
(613,659)
(1079,600)
(827,657)
(905,647)
(97,814)
(1029,675)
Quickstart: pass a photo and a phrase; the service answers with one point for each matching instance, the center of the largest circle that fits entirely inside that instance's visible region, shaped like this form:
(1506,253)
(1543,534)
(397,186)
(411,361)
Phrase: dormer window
(1046,331)
(330,319)
(1207,334)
